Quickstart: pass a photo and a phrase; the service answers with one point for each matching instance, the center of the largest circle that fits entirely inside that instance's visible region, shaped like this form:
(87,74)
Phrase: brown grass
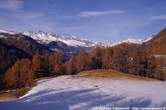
(109,73)
(13,94)
(7,96)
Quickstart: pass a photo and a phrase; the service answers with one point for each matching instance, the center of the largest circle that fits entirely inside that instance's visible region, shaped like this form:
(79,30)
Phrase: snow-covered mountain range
(47,37)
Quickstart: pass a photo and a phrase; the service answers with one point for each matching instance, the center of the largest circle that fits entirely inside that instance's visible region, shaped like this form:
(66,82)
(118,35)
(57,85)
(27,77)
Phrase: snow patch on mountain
(132,41)
(8,32)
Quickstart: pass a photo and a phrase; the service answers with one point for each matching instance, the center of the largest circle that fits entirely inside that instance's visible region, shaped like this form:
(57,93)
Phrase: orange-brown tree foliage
(19,75)
(58,67)
(107,58)
(83,61)
(71,67)
(37,65)
(96,57)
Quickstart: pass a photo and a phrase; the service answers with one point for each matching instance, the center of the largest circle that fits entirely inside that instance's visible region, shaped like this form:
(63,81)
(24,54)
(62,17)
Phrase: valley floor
(72,93)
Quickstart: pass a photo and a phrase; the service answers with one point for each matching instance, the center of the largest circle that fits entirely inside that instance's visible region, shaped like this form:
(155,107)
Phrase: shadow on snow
(75,100)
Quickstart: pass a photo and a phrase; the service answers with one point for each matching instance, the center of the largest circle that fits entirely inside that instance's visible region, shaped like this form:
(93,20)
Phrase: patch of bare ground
(109,73)
(10,95)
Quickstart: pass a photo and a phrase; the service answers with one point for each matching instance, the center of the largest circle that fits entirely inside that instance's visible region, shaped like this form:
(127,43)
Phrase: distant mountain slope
(22,42)
(131,41)
(67,50)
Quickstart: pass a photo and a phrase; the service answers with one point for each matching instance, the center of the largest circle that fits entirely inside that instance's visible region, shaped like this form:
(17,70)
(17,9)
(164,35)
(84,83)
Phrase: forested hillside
(137,59)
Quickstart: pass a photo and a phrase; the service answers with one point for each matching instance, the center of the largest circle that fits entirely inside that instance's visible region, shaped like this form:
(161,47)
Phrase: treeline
(125,58)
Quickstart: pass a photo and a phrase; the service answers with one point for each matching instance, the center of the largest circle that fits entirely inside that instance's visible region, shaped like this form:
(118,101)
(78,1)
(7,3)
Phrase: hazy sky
(101,20)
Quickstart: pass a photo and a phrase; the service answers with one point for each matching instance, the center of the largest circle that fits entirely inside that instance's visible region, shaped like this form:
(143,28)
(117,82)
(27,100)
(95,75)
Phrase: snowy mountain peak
(41,37)
(45,38)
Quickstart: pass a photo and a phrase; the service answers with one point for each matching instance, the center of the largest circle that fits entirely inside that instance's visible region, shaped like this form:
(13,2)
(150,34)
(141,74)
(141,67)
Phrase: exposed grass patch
(7,96)
(13,94)
(109,73)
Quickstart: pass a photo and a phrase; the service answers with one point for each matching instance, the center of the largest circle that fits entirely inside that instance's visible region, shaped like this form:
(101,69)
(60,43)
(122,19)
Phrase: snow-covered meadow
(70,93)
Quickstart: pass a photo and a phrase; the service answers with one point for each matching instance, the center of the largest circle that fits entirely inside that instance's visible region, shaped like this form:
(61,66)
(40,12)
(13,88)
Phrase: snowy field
(69,93)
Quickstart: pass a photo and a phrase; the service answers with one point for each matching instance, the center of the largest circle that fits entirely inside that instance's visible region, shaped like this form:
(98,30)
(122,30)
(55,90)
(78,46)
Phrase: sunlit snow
(70,93)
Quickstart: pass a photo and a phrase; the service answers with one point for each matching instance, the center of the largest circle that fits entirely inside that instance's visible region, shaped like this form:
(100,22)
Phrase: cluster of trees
(47,65)
(19,75)
(127,58)
(108,58)
(124,58)
(24,71)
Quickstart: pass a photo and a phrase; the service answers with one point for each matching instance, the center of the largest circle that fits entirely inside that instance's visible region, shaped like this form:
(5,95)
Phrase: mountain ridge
(74,41)
(46,37)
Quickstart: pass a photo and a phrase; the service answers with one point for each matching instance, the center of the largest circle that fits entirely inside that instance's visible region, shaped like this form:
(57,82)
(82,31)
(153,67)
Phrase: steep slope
(16,46)
(157,45)
(22,42)
(8,55)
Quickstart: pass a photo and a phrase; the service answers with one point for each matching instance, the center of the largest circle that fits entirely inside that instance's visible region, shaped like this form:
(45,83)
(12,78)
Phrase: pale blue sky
(100,20)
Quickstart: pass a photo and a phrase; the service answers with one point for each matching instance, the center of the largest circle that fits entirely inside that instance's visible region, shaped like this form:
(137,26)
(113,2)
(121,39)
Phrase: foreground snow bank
(66,92)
